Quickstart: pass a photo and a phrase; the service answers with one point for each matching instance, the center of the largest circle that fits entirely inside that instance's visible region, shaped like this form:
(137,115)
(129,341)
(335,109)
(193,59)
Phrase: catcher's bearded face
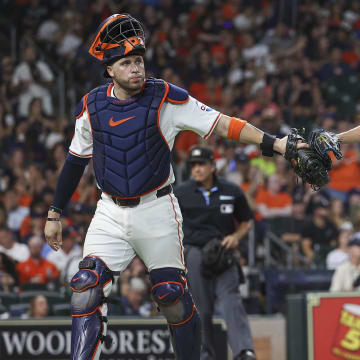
(202,171)
(128,73)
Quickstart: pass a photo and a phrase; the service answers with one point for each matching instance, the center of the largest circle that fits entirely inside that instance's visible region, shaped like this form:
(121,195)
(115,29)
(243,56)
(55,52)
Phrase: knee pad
(90,285)
(171,293)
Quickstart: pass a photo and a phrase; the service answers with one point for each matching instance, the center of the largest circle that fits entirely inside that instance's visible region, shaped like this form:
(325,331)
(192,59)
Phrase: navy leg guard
(90,285)
(171,293)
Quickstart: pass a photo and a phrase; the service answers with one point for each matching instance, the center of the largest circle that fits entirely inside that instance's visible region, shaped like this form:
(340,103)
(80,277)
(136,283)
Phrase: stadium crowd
(277,64)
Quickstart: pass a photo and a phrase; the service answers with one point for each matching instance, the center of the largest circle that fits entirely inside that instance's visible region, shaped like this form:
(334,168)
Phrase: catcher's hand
(322,142)
(307,164)
(53,234)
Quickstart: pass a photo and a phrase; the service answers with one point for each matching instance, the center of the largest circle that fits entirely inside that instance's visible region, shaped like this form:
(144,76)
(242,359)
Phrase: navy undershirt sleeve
(69,179)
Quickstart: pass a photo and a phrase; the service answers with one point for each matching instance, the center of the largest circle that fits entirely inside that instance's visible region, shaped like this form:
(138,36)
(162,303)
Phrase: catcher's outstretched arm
(247,133)
(351,136)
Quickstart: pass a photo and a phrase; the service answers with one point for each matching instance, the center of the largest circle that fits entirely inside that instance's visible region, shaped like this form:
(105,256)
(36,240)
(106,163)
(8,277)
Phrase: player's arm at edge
(240,130)
(68,181)
(351,136)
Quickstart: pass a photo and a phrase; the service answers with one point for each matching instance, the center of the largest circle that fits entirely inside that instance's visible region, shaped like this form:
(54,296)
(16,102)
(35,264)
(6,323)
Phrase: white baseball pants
(152,230)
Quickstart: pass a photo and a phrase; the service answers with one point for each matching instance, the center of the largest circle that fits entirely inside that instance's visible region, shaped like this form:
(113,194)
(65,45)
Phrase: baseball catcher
(312,164)
(128,127)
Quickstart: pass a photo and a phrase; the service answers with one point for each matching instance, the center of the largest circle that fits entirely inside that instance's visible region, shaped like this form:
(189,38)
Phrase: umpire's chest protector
(131,156)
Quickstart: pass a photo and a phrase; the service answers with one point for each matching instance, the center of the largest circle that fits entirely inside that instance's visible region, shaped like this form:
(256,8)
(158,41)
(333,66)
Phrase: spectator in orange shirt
(35,269)
(273,202)
(345,174)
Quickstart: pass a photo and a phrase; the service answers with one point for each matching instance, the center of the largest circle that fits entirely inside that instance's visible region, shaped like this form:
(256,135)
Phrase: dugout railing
(279,254)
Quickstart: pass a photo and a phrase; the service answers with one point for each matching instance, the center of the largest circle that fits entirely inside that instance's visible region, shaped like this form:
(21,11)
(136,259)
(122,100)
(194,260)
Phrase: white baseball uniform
(152,229)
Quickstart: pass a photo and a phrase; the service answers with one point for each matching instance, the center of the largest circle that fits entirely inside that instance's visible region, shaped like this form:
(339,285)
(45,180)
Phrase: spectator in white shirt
(8,245)
(340,255)
(347,275)
(32,79)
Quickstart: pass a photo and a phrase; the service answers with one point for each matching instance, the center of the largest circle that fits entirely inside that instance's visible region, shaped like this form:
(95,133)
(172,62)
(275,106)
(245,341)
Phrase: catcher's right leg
(90,285)
(171,293)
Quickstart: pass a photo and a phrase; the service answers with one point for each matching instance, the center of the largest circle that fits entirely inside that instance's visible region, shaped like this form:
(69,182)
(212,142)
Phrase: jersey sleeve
(82,142)
(195,116)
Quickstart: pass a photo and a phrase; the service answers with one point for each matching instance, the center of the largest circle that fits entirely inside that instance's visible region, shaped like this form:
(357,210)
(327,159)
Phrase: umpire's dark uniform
(206,215)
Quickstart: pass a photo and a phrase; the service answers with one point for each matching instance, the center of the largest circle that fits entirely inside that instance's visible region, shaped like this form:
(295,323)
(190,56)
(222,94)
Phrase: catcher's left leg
(90,285)
(171,293)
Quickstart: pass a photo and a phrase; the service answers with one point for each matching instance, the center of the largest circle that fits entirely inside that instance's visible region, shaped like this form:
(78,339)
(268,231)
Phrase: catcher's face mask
(118,36)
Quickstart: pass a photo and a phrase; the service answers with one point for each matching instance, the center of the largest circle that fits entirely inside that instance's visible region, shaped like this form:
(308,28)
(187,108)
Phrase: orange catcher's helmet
(116,37)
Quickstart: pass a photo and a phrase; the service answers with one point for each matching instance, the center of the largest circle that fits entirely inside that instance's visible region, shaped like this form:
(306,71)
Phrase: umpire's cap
(117,36)
(201,154)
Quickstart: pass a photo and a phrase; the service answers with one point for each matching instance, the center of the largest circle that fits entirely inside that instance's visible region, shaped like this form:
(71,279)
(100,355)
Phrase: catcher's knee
(90,286)
(171,293)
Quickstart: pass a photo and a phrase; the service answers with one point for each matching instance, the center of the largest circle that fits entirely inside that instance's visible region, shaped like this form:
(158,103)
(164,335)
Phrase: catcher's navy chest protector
(131,156)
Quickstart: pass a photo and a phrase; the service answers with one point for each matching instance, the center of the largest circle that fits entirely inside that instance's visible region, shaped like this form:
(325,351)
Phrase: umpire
(210,206)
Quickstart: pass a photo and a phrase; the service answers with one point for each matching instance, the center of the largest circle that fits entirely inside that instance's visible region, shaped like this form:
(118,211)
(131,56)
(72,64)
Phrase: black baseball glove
(215,259)
(307,164)
(322,141)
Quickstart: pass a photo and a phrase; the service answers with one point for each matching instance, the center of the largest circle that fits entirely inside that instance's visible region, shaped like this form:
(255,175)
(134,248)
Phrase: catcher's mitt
(307,164)
(322,141)
(215,259)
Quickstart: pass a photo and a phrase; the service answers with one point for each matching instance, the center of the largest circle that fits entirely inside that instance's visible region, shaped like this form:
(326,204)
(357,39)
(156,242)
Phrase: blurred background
(278,64)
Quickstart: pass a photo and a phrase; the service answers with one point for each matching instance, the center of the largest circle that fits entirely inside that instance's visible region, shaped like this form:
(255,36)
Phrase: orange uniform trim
(167,88)
(84,106)
(108,91)
(178,230)
(80,156)
(235,127)
(212,126)
(186,320)
(87,314)
(177,101)
(87,111)
(98,307)
(110,87)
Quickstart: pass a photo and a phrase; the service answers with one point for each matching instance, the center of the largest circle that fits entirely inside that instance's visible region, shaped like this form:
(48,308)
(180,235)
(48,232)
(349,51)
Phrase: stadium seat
(7,299)
(3,309)
(61,309)
(19,309)
(33,287)
(53,297)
